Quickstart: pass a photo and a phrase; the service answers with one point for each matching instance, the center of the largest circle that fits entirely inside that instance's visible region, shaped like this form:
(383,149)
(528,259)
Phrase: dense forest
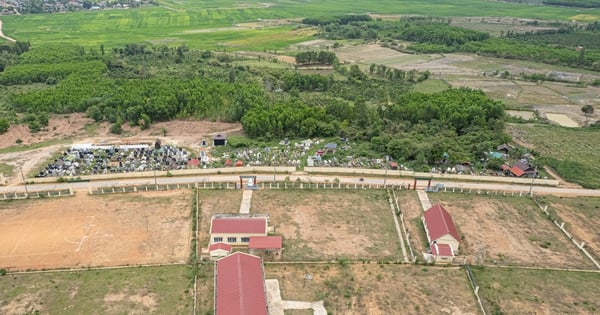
(568,46)
(139,84)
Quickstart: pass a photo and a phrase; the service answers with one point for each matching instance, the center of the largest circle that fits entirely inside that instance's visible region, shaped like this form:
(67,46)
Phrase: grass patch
(572,152)
(431,86)
(6,169)
(27,147)
(159,290)
(518,291)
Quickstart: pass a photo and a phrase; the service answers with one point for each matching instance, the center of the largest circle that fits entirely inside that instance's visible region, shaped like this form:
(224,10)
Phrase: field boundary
(561,227)
(37,194)
(475,288)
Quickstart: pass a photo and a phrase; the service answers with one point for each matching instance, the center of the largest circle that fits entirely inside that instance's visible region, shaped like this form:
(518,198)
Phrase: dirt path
(561,180)
(10,39)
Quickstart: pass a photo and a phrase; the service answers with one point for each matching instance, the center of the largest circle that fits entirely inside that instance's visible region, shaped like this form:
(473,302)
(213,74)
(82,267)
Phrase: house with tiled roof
(237,229)
(521,169)
(240,285)
(440,228)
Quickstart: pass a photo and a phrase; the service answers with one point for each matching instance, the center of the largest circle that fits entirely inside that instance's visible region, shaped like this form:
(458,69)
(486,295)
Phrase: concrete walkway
(425,203)
(277,305)
(246,201)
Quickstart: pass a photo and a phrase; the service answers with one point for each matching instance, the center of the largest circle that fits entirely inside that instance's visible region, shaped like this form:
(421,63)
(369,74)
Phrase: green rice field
(214,24)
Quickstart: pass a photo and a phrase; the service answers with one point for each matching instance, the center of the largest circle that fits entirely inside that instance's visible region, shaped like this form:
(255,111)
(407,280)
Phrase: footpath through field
(10,39)
(246,201)
(425,203)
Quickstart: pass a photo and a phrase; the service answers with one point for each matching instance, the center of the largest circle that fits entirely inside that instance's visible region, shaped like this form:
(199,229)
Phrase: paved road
(306,178)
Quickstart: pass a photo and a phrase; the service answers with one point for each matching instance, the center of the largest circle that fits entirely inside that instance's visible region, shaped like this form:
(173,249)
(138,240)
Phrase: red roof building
(240,285)
(442,253)
(237,230)
(220,249)
(265,242)
(440,228)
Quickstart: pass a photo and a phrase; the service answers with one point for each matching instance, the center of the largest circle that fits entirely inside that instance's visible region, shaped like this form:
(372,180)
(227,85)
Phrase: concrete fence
(434,176)
(36,194)
(186,172)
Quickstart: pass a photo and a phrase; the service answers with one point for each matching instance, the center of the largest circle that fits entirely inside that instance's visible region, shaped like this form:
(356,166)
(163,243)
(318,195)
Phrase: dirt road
(4,36)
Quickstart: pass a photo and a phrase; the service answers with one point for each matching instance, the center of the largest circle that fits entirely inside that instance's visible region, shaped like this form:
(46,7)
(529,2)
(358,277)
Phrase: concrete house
(442,253)
(266,246)
(440,228)
(218,250)
(237,229)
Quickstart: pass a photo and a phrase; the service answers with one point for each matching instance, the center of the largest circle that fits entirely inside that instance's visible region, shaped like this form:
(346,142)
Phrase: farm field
(143,290)
(321,225)
(581,216)
(378,288)
(520,291)
(508,231)
(573,153)
(84,231)
(172,21)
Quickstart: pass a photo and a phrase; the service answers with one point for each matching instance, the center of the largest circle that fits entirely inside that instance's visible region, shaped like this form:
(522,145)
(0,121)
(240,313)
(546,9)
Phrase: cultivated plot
(86,230)
(377,288)
(508,231)
(321,225)
(581,216)
(521,291)
(146,290)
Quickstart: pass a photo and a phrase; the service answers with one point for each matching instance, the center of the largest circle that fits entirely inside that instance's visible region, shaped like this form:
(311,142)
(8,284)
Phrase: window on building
(245,240)
(232,239)
(217,239)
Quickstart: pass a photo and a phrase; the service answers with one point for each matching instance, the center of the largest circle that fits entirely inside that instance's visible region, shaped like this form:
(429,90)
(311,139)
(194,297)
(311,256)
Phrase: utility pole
(385,167)
(23,178)
(532,179)
(155,182)
(274,172)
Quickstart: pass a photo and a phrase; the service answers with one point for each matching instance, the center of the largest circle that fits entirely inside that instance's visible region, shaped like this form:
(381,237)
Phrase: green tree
(4,125)
(587,109)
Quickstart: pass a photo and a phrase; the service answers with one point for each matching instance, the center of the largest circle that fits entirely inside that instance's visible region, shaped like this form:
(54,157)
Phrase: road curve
(10,39)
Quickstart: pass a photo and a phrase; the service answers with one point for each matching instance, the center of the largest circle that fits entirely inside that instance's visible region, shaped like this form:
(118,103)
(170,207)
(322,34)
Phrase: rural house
(240,285)
(440,228)
(521,169)
(442,253)
(266,245)
(237,229)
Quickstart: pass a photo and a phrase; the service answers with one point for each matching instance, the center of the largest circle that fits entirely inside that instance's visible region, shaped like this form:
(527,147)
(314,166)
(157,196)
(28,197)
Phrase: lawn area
(330,224)
(508,231)
(572,152)
(376,288)
(143,290)
(520,291)
(167,22)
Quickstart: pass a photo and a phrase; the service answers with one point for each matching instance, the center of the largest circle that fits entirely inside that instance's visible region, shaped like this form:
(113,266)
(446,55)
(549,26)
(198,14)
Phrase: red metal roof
(219,245)
(194,162)
(239,225)
(442,250)
(504,167)
(265,242)
(439,223)
(240,286)
(517,171)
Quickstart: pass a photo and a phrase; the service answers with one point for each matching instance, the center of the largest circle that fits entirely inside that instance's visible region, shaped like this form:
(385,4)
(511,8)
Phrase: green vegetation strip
(572,152)
(159,290)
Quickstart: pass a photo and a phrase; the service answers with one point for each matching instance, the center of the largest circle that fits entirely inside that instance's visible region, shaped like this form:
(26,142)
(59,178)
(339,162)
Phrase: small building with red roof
(442,253)
(266,246)
(240,285)
(237,229)
(440,228)
(220,249)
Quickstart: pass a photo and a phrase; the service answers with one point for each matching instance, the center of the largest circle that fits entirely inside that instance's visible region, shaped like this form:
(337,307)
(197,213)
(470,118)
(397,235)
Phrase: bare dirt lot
(86,230)
(581,216)
(508,231)
(320,225)
(377,288)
